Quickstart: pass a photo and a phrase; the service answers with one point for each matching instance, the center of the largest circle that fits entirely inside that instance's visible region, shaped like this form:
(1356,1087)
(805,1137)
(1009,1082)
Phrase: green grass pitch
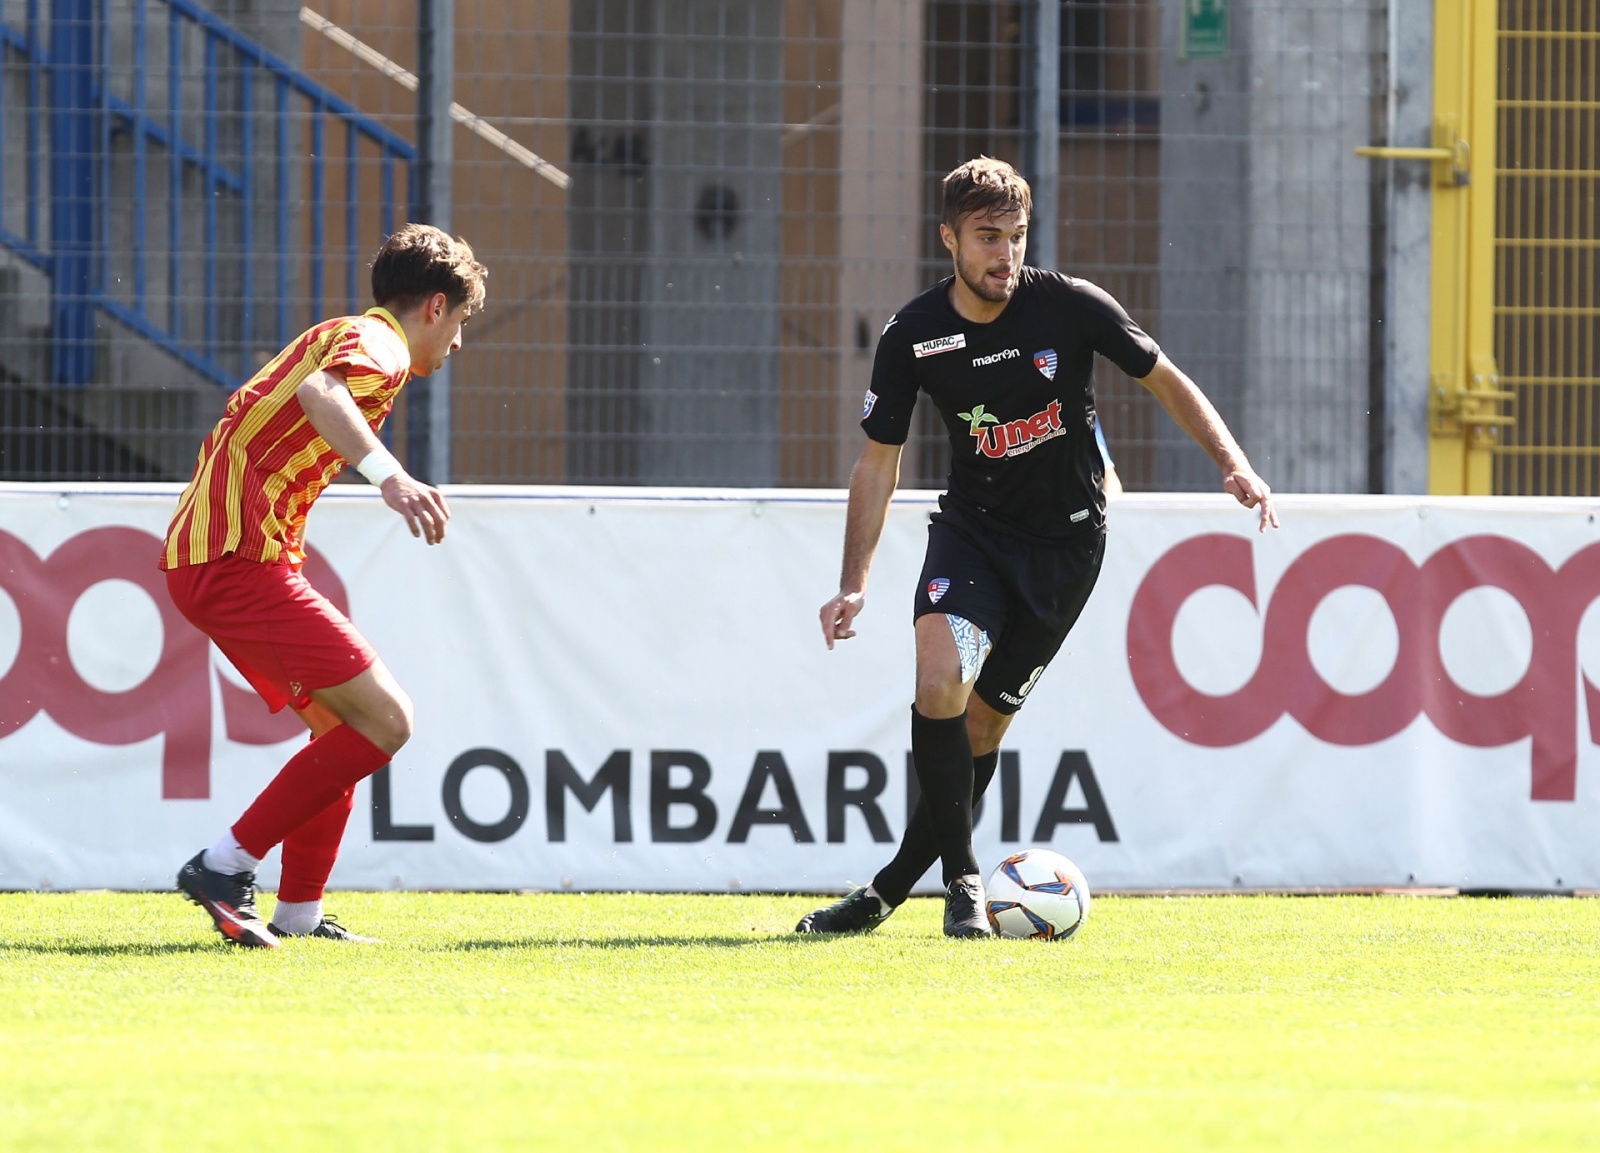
(600,1022)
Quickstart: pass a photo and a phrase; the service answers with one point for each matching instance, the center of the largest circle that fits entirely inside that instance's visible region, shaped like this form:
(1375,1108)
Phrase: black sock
(943,757)
(918,850)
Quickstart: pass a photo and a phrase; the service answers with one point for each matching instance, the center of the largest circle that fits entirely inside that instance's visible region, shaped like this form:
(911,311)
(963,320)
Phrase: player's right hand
(837,614)
(422,505)
(1251,491)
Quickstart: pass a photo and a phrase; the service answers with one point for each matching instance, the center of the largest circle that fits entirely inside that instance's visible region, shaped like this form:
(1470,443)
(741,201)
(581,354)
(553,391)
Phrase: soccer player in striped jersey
(234,550)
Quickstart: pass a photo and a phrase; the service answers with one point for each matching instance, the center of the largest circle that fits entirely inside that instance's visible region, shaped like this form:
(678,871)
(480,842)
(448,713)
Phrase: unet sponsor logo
(996,440)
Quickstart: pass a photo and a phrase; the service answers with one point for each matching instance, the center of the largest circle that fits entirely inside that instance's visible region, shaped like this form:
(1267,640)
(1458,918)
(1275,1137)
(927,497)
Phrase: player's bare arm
(1196,415)
(872,483)
(332,411)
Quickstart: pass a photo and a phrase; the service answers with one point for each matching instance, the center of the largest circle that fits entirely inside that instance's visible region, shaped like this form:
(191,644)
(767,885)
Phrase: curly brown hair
(420,260)
(987,186)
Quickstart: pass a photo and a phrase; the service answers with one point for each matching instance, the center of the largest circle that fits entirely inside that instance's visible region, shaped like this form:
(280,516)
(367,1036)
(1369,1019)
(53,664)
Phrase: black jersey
(1016,394)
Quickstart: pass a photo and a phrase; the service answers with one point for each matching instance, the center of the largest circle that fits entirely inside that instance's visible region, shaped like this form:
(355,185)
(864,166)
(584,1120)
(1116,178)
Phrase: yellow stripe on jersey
(264,465)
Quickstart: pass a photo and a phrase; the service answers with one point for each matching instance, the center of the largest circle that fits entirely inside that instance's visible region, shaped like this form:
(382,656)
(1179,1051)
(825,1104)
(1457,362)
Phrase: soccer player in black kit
(1006,352)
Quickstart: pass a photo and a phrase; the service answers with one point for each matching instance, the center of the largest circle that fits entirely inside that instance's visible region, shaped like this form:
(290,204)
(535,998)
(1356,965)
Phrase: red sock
(309,851)
(313,779)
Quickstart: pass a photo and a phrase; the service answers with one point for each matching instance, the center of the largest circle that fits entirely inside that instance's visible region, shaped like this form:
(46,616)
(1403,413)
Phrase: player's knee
(940,696)
(986,726)
(401,722)
(984,731)
(390,727)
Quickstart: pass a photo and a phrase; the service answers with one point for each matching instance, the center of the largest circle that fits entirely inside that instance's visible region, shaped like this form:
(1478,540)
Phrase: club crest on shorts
(1046,362)
(868,403)
(937,587)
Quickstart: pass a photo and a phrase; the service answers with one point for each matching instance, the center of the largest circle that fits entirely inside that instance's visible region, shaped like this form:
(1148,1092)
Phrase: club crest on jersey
(937,587)
(869,403)
(939,344)
(1015,437)
(1046,362)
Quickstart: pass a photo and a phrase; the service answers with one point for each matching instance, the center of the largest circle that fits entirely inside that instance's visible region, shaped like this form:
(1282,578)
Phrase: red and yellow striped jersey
(263,465)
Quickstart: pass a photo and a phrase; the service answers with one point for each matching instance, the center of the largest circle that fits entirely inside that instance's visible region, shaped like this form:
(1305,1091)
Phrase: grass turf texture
(701,1023)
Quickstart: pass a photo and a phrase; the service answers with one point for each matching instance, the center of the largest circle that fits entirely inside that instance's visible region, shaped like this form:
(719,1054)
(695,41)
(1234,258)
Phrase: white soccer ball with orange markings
(1038,894)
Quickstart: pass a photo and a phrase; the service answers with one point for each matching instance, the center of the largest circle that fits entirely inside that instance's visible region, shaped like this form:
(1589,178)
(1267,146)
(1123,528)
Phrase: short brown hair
(420,260)
(986,186)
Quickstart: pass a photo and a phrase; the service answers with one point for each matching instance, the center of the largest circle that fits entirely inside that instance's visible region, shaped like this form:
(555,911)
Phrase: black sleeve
(1116,336)
(886,409)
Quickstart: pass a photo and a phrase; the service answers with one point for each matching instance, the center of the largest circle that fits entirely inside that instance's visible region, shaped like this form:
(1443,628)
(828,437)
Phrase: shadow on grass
(724,941)
(108,949)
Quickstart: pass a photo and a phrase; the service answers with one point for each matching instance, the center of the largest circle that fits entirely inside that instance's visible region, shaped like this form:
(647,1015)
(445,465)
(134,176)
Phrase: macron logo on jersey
(939,344)
(1007,354)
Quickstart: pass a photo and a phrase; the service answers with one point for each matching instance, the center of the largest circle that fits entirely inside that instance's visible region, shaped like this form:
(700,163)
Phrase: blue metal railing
(98,132)
(26,43)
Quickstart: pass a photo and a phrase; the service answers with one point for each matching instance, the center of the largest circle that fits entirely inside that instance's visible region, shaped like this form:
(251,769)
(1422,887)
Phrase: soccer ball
(1037,893)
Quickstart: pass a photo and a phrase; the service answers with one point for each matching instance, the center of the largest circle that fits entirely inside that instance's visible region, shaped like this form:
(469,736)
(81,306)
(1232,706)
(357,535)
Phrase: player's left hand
(1251,491)
(422,505)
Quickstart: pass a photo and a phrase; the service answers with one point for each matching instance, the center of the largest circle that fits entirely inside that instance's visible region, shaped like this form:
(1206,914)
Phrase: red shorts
(283,635)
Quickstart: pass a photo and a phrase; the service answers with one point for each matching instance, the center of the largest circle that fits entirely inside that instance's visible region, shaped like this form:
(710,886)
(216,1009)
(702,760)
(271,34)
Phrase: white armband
(379,465)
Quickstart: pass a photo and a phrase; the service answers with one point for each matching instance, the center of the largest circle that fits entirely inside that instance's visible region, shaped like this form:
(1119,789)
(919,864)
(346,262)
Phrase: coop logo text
(173,701)
(1542,708)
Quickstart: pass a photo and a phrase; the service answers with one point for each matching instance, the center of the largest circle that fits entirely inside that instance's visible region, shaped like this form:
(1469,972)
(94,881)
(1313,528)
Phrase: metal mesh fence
(697,215)
(1547,245)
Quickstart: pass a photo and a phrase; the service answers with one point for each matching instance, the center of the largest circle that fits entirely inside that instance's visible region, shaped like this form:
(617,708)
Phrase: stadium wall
(626,689)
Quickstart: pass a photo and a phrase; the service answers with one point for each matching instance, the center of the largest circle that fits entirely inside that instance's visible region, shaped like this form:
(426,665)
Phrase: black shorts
(1026,596)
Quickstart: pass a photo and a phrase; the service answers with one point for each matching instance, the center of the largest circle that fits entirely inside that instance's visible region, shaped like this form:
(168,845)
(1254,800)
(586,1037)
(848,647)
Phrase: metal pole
(428,438)
(73,124)
(1042,229)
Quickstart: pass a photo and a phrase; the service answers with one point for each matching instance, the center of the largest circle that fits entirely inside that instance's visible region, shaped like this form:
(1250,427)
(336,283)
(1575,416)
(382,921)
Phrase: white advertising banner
(628,689)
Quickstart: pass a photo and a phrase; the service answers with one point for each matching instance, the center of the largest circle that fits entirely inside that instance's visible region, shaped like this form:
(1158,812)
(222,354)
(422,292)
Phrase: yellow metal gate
(1513,406)
(1547,246)
(1466,404)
